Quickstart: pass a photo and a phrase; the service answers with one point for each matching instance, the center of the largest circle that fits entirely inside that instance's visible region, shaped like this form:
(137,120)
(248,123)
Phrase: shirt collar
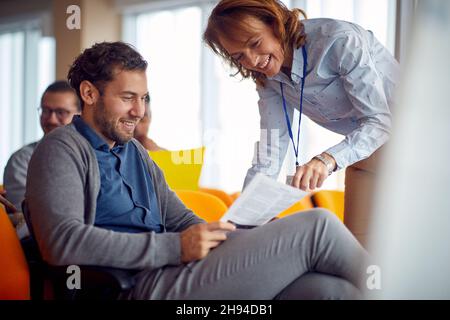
(94,139)
(297,65)
(296,70)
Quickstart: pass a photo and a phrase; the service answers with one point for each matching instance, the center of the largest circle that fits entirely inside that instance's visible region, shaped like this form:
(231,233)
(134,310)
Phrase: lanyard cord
(288,122)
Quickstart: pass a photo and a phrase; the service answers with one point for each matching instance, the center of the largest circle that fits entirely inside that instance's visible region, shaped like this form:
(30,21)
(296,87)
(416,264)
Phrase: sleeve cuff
(340,153)
(168,249)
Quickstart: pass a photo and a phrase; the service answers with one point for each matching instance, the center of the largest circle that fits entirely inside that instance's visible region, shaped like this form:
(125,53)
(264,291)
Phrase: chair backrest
(301,205)
(181,168)
(206,206)
(14,273)
(222,195)
(235,195)
(48,282)
(332,200)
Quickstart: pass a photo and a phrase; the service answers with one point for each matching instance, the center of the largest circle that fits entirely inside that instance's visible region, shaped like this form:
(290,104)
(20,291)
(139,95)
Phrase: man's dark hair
(98,63)
(61,86)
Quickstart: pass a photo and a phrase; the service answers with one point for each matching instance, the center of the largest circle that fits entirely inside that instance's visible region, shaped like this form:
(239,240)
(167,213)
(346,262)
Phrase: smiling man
(95,197)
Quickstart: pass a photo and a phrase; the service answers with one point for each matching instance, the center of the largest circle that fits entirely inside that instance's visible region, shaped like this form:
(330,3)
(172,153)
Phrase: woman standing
(334,72)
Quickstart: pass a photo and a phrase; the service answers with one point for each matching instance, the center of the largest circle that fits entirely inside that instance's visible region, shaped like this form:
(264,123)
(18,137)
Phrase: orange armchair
(235,195)
(301,205)
(222,195)
(14,275)
(332,200)
(206,206)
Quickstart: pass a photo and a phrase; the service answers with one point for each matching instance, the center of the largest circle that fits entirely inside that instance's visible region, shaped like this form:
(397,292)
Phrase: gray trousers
(309,255)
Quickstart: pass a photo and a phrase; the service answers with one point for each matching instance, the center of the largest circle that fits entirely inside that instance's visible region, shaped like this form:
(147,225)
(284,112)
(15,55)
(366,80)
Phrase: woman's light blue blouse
(349,88)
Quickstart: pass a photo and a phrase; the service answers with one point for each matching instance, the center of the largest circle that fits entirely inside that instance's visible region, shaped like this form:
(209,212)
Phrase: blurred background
(411,226)
(194,100)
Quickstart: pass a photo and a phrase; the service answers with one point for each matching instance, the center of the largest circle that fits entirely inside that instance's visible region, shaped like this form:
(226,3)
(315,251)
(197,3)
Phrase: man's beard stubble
(108,126)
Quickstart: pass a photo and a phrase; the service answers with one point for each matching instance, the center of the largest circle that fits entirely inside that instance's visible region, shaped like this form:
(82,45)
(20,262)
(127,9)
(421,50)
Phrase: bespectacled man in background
(59,103)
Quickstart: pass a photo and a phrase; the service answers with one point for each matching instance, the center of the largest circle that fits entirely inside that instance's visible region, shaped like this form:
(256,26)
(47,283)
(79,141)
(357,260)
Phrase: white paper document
(263,199)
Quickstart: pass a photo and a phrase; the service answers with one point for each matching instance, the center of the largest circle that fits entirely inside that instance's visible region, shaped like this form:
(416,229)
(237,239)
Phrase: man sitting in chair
(95,197)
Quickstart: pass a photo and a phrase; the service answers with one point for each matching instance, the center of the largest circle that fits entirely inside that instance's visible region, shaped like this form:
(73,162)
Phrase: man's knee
(319,286)
(316,215)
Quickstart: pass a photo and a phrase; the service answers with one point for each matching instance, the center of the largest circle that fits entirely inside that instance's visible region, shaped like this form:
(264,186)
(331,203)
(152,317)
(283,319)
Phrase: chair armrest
(93,278)
(96,282)
(121,279)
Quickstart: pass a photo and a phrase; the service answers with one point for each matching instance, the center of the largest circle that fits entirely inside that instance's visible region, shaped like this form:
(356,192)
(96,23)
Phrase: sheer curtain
(196,102)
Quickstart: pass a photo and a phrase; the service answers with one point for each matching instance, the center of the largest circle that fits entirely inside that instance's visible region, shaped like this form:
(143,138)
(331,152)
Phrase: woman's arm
(364,86)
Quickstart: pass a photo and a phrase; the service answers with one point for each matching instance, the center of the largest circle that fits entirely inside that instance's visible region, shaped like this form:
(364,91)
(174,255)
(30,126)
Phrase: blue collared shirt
(349,86)
(127,200)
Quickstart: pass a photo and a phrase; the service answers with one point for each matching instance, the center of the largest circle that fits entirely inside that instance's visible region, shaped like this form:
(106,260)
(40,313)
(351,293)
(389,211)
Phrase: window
(196,102)
(27,64)
(169,40)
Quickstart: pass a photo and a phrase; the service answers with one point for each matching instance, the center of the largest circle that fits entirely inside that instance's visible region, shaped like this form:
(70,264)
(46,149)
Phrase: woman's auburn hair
(227,17)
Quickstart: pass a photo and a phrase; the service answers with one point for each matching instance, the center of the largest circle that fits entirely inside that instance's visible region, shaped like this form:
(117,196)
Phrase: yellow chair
(301,205)
(222,195)
(14,272)
(206,206)
(181,168)
(332,200)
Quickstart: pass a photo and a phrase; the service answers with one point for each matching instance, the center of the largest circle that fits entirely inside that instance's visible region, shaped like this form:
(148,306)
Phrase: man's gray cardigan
(61,194)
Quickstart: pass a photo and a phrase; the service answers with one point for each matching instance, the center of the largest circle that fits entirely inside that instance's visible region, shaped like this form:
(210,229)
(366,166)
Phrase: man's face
(57,109)
(121,106)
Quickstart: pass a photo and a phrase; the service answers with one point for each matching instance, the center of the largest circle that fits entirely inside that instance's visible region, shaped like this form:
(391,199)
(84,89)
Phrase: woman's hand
(312,174)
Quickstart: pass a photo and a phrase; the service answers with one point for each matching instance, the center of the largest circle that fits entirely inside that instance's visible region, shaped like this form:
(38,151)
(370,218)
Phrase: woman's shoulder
(330,35)
(328,29)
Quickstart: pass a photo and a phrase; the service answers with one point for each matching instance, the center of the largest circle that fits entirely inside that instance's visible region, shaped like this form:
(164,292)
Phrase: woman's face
(142,127)
(258,51)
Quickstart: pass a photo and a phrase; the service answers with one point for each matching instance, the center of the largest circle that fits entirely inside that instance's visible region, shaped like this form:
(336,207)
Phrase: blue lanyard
(288,122)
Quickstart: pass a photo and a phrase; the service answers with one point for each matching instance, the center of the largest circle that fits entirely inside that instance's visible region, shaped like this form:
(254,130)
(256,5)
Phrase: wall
(99,22)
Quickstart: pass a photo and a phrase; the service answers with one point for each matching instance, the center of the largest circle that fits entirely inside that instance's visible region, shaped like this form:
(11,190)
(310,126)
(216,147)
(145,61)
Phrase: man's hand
(8,205)
(199,239)
(312,174)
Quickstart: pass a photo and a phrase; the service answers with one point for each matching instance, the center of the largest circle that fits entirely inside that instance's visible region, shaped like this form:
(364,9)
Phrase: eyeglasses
(61,114)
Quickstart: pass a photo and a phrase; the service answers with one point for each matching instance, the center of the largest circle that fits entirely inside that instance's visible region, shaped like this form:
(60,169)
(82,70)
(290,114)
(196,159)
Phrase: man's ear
(89,93)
